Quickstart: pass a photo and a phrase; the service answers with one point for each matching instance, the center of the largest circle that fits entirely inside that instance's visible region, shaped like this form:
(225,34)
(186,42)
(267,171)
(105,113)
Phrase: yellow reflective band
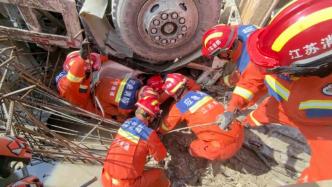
(73,78)
(178,86)
(257,123)
(120,90)
(71,62)
(316,104)
(154,103)
(199,104)
(115,181)
(283,8)
(129,136)
(246,94)
(84,86)
(211,36)
(164,127)
(298,27)
(277,87)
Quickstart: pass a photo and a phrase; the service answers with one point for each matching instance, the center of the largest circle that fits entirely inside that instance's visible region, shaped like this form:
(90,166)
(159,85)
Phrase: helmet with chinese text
(218,38)
(173,83)
(299,37)
(150,105)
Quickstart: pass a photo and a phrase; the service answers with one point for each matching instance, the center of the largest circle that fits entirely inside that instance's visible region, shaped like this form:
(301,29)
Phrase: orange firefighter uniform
(196,108)
(304,103)
(248,90)
(117,97)
(124,164)
(74,81)
(74,85)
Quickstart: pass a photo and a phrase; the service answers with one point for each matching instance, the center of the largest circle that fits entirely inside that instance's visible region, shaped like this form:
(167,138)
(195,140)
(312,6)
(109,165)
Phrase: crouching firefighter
(200,111)
(124,163)
(73,83)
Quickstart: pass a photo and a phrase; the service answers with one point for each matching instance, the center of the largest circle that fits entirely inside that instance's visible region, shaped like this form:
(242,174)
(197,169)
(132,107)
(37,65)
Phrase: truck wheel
(162,30)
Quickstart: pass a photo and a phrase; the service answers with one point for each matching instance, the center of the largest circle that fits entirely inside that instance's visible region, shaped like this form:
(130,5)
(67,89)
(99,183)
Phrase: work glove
(225,120)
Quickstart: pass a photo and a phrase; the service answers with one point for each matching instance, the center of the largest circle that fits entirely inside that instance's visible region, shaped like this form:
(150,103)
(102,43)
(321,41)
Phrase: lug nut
(164,41)
(173,41)
(164,16)
(153,30)
(182,20)
(174,15)
(184,28)
(180,36)
(156,22)
(157,38)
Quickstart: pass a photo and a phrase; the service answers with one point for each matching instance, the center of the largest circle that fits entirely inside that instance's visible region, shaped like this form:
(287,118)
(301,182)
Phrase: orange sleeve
(156,147)
(250,85)
(171,120)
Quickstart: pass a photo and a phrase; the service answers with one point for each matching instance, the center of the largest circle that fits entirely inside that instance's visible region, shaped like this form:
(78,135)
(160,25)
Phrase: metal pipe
(17,91)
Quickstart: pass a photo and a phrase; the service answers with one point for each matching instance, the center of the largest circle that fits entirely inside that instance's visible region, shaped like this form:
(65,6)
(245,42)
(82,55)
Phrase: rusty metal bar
(9,129)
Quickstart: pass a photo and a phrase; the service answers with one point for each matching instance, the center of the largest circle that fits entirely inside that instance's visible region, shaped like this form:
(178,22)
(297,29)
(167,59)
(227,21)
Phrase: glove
(225,120)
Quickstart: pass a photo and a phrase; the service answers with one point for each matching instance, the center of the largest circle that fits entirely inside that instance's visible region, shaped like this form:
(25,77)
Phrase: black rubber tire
(124,13)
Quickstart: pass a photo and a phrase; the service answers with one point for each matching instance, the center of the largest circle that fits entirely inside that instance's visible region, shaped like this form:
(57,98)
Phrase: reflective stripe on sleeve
(277,87)
(246,94)
(164,127)
(73,78)
(257,123)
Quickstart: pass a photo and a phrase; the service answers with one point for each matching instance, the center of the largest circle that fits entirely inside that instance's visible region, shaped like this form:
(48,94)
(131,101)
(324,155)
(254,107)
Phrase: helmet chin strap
(320,70)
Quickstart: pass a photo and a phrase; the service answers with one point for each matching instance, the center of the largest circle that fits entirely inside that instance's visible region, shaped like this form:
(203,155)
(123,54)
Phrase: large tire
(125,15)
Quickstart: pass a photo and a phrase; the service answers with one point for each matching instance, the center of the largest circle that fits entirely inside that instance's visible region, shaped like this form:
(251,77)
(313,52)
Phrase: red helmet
(15,147)
(299,34)
(219,37)
(28,181)
(149,105)
(75,55)
(173,83)
(156,82)
(147,91)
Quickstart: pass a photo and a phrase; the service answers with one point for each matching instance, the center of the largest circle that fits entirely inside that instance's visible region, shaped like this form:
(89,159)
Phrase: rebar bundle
(54,128)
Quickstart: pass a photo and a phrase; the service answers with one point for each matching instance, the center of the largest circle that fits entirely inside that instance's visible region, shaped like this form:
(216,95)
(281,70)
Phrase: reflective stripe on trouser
(150,178)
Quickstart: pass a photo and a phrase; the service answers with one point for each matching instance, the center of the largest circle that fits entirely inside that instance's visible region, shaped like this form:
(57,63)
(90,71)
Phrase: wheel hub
(167,24)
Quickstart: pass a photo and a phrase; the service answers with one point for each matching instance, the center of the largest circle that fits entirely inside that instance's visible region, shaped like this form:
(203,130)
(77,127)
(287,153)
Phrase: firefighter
(197,108)
(16,149)
(124,164)
(229,42)
(294,52)
(74,81)
(156,82)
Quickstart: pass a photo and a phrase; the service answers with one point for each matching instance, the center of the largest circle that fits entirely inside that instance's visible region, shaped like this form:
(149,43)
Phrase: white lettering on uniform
(188,102)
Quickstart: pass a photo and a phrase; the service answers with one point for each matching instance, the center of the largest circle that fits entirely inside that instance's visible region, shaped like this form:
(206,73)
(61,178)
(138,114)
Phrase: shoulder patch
(327,90)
